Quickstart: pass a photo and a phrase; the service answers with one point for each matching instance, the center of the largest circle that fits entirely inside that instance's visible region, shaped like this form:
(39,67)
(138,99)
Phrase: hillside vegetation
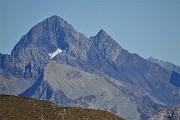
(20,108)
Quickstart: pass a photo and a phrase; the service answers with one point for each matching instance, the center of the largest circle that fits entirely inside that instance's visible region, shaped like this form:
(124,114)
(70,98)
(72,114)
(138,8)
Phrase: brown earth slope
(20,108)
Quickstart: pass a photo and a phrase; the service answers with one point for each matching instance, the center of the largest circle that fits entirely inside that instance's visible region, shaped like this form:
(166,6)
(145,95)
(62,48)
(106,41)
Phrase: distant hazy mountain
(19,108)
(55,62)
(167,65)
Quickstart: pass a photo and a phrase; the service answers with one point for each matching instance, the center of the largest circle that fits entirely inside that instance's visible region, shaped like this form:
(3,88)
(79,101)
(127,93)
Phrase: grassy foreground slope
(20,108)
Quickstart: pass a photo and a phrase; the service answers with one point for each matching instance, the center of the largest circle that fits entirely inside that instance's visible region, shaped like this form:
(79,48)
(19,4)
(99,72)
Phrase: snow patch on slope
(58,51)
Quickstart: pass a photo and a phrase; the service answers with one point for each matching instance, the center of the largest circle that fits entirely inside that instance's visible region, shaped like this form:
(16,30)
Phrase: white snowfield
(58,51)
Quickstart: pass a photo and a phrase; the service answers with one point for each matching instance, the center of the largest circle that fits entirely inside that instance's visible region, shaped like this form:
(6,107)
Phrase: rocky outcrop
(167,65)
(168,114)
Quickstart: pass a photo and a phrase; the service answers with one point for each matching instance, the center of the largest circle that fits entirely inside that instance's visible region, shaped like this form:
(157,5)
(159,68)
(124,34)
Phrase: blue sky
(146,27)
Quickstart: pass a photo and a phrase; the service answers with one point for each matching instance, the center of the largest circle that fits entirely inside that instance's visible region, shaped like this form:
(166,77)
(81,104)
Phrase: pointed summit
(58,21)
(48,39)
(103,37)
(55,17)
(102,34)
(48,36)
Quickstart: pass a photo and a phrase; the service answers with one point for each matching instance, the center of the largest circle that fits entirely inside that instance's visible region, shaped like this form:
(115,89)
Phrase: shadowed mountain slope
(68,86)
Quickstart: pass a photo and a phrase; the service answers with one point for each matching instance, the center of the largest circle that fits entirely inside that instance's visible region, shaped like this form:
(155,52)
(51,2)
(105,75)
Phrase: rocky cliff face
(158,82)
(82,89)
(167,65)
(168,114)
(49,35)
(14,76)
(149,86)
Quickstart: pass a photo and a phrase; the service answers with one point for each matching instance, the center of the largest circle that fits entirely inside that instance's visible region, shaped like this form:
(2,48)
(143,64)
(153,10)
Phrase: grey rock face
(46,37)
(137,71)
(149,86)
(11,75)
(107,47)
(82,89)
(167,65)
(168,114)
(68,86)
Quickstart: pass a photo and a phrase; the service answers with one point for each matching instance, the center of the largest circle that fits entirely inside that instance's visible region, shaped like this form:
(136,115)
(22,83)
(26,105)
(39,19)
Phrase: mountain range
(55,62)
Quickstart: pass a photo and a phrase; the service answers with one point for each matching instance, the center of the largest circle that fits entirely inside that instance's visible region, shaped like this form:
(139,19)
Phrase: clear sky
(146,27)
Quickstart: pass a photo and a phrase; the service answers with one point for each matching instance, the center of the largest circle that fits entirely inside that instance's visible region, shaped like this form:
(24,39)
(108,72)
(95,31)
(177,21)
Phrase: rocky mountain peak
(103,38)
(102,34)
(35,75)
(48,39)
(48,36)
(55,17)
(58,21)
